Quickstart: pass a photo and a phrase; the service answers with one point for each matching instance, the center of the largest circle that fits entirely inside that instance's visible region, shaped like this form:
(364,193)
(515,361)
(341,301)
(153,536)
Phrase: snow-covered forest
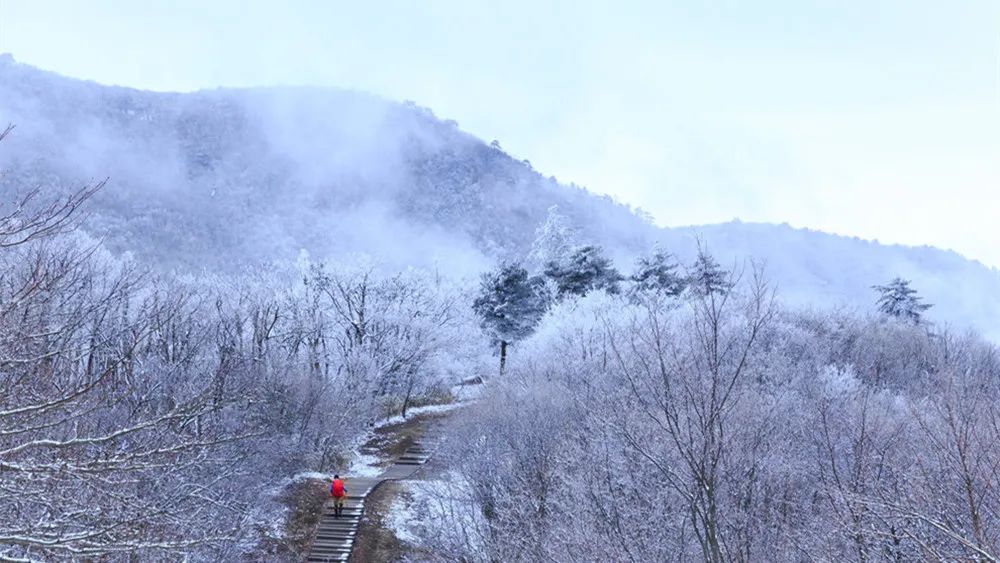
(718,425)
(258,284)
(153,415)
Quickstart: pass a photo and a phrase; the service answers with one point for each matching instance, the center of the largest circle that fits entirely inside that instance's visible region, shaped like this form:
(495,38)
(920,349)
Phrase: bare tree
(686,385)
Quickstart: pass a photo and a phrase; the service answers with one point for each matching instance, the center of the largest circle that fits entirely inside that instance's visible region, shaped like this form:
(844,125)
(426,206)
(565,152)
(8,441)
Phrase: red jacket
(337,488)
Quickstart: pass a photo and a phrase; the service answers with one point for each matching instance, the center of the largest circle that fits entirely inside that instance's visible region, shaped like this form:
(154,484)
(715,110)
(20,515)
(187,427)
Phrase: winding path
(335,536)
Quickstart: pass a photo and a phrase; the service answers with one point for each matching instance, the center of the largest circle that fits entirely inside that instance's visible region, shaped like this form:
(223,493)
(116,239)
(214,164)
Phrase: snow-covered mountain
(215,179)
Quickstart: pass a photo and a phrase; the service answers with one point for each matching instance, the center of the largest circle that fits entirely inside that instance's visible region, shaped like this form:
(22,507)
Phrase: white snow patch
(403,518)
(441,509)
(365,465)
(280,486)
(311,475)
(417,411)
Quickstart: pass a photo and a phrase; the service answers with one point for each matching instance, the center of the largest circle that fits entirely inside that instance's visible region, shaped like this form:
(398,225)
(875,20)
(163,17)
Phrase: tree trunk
(406,398)
(503,356)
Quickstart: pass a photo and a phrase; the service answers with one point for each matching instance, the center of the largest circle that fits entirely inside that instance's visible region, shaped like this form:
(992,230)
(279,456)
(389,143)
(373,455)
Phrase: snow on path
(416,411)
(366,465)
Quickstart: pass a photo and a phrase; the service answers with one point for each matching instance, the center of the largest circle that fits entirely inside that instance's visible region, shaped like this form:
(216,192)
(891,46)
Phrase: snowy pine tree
(706,277)
(897,299)
(586,269)
(657,273)
(510,305)
(554,241)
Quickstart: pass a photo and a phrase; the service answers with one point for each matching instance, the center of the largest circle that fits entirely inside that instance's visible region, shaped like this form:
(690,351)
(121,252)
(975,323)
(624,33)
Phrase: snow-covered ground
(366,465)
(403,517)
(309,475)
(442,509)
(408,516)
(410,413)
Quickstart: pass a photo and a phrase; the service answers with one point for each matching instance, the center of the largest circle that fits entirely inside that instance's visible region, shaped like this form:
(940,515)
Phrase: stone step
(342,541)
(331,556)
(330,545)
(347,527)
(346,533)
(342,530)
(332,518)
(335,536)
(334,540)
(341,549)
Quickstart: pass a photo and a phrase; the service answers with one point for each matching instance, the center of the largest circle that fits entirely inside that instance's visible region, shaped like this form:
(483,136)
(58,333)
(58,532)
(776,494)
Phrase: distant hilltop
(216,180)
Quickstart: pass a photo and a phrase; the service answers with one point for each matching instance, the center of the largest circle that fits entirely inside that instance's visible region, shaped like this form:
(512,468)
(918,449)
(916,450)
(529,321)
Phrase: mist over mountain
(214,180)
(218,178)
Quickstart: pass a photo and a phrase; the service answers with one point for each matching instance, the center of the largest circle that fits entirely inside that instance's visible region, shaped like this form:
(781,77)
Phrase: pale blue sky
(867,118)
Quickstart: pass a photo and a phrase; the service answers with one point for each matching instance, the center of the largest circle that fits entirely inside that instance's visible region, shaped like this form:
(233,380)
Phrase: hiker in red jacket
(339,492)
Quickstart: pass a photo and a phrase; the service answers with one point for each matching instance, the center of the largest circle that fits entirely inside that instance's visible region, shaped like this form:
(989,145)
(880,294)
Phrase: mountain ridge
(216,179)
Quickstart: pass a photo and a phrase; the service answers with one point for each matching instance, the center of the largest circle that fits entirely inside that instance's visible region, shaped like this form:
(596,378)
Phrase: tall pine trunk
(503,356)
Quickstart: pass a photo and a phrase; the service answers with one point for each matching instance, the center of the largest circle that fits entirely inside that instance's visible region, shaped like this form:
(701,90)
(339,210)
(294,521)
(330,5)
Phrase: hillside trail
(360,534)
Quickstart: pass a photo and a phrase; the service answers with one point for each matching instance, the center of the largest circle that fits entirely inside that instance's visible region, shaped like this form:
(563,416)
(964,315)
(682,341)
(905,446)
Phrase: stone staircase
(335,536)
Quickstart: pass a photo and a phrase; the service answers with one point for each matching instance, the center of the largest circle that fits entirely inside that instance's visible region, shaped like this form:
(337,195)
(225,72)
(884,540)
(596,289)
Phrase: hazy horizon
(876,122)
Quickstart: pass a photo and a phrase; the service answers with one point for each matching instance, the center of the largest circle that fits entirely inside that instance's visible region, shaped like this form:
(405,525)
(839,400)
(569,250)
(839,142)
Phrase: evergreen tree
(510,305)
(897,299)
(586,269)
(706,277)
(657,273)
(554,240)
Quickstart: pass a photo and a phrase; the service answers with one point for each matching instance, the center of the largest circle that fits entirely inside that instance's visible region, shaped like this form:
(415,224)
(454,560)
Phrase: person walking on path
(338,490)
